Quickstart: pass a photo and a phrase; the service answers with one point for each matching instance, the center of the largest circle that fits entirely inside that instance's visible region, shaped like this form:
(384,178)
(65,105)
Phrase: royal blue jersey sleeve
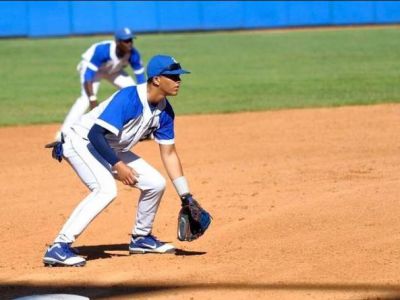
(100,55)
(122,108)
(165,133)
(89,74)
(98,140)
(137,66)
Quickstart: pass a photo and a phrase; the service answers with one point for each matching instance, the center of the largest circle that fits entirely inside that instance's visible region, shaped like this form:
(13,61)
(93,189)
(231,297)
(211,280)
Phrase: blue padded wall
(301,13)
(387,11)
(13,21)
(353,12)
(175,15)
(265,14)
(48,18)
(54,18)
(88,17)
(141,16)
(222,14)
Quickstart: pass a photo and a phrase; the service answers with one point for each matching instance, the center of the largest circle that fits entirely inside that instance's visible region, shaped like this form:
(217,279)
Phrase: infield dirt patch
(305,206)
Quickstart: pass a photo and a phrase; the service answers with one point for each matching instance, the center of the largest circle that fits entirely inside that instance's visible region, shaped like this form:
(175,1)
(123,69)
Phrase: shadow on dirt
(181,252)
(105,251)
(11,291)
(100,251)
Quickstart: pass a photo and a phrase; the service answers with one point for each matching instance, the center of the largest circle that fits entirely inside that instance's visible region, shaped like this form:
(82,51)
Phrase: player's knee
(111,194)
(159,184)
(105,191)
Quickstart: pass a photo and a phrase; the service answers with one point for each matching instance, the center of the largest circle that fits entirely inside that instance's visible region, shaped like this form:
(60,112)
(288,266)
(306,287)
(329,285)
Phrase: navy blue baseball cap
(164,65)
(124,34)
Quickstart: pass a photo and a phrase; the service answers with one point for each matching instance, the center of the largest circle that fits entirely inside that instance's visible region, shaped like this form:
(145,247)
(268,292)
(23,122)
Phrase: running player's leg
(96,174)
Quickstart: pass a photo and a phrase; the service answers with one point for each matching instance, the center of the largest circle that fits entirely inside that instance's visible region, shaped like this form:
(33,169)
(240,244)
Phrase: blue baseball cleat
(61,254)
(149,244)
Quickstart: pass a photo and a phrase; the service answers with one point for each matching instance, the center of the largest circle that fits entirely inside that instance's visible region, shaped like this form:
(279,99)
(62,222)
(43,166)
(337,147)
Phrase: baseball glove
(57,149)
(193,220)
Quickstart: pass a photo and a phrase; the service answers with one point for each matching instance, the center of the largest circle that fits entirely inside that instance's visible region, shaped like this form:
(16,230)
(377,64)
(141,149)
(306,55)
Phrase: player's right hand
(125,174)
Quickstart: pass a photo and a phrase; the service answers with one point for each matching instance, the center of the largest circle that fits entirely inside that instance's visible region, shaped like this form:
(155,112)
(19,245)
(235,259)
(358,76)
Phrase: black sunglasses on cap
(126,41)
(172,67)
(173,77)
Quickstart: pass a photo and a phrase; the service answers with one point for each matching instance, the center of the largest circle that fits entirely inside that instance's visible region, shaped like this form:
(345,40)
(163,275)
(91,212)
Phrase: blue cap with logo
(124,34)
(164,65)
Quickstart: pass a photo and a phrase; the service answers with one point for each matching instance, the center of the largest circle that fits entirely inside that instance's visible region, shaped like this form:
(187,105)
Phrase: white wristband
(181,185)
(92,98)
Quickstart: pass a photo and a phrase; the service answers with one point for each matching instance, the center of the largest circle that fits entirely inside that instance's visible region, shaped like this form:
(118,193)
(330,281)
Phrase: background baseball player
(98,149)
(104,60)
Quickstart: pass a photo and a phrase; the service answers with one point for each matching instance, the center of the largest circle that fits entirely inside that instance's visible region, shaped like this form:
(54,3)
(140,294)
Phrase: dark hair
(150,80)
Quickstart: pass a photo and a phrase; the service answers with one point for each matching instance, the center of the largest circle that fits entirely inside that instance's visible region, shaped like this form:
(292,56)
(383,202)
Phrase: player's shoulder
(135,54)
(102,48)
(128,101)
(134,50)
(99,51)
(130,92)
(167,108)
(131,96)
(134,105)
(106,43)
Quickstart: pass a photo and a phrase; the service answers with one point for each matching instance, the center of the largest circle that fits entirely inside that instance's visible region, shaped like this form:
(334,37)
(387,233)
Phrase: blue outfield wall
(62,18)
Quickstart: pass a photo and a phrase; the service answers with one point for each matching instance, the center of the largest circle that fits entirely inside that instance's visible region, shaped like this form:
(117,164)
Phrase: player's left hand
(57,152)
(193,220)
(93,104)
(124,173)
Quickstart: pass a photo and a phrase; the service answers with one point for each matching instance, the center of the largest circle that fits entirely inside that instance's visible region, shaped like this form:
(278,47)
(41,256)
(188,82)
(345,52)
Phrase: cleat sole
(51,264)
(144,251)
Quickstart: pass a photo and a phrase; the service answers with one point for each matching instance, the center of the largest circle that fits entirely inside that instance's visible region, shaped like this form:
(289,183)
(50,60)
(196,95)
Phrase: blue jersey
(129,118)
(102,57)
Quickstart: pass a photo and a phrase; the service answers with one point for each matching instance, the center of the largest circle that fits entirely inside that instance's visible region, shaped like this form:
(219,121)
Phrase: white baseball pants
(97,175)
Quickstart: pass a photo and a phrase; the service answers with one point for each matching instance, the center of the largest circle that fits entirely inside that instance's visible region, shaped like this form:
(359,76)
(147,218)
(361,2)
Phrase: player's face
(125,45)
(170,84)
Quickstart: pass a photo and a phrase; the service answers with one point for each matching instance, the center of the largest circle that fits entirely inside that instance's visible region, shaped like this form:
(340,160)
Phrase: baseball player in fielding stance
(98,148)
(104,60)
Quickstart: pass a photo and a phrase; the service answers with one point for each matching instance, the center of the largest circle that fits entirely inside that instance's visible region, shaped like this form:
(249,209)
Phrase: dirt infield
(305,206)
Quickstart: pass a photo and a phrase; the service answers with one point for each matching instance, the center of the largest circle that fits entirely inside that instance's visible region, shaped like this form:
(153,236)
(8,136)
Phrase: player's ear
(156,80)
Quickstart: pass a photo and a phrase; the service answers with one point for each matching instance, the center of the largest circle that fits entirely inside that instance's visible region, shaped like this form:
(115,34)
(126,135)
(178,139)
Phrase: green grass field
(231,71)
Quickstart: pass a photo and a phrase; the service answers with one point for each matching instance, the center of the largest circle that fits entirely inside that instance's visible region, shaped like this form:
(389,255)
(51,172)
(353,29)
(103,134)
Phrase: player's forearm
(171,162)
(175,173)
(88,85)
(173,166)
(97,139)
